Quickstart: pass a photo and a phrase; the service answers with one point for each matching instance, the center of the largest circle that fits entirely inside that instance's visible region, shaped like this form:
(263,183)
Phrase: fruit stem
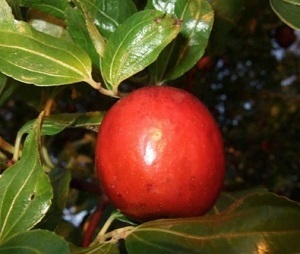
(114,236)
(100,88)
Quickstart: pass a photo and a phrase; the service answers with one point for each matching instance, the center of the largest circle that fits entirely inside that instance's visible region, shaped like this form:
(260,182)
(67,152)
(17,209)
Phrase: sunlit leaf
(34,57)
(287,11)
(25,190)
(258,223)
(108,15)
(35,241)
(135,44)
(183,53)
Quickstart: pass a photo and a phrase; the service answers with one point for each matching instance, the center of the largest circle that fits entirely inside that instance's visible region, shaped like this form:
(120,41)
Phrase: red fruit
(160,154)
(285,36)
(206,63)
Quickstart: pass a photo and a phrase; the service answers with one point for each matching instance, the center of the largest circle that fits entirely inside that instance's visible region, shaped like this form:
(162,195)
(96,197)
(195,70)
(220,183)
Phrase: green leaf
(108,15)
(183,53)
(295,2)
(34,57)
(94,34)
(25,190)
(60,182)
(55,124)
(76,25)
(226,199)
(135,44)
(53,7)
(287,11)
(35,241)
(264,223)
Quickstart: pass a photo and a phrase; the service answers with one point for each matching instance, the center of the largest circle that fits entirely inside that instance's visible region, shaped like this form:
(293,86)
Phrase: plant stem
(6,146)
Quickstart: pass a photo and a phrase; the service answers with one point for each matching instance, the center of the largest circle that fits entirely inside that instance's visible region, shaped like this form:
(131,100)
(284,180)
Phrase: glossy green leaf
(261,223)
(287,11)
(183,53)
(35,241)
(96,37)
(25,190)
(136,44)
(53,7)
(34,57)
(76,25)
(107,15)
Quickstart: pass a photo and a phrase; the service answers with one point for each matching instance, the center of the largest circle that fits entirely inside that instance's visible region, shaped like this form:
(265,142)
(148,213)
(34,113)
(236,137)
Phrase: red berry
(285,36)
(160,154)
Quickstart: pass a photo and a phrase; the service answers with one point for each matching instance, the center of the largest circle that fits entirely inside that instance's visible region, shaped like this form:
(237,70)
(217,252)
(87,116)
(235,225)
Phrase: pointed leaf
(287,11)
(34,57)
(183,53)
(25,190)
(135,44)
(35,241)
(258,223)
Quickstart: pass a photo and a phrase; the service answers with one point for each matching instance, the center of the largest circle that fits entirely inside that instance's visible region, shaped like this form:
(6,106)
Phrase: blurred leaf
(108,15)
(228,10)
(34,57)
(183,53)
(287,11)
(227,14)
(35,241)
(258,223)
(53,7)
(25,190)
(135,44)
(7,87)
(295,2)
(6,16)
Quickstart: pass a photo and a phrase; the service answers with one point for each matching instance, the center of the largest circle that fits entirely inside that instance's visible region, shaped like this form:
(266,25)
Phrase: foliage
(71,59)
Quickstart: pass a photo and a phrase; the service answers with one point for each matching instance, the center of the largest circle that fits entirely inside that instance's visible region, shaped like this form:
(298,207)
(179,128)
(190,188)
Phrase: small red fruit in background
(206,63)
(160,155)
(285,36)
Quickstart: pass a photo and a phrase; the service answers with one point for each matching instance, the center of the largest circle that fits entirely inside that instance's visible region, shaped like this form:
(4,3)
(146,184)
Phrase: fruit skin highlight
(160,154)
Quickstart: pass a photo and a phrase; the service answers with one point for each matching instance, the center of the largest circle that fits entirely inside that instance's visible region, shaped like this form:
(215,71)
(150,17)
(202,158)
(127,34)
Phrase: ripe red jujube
(160,154)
